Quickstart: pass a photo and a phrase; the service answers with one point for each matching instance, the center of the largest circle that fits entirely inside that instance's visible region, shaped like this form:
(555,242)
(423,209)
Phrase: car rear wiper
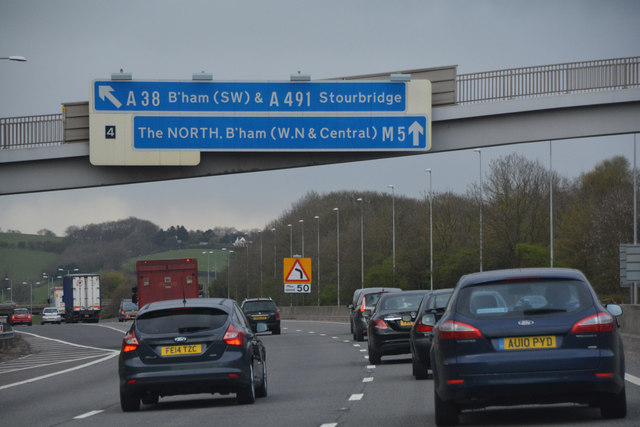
(192,329)
(544,310)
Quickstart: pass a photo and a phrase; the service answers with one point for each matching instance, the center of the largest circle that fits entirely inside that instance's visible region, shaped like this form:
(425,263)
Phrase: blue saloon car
(527,336)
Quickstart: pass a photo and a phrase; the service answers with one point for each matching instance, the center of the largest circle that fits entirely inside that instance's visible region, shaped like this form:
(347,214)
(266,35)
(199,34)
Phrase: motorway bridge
(512,106)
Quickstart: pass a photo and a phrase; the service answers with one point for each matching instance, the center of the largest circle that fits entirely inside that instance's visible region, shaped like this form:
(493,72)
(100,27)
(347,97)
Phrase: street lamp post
(477,150)
(7,279)
(206,291)
(393,226)
(359,200)
(260,232)
(30,295)
(290,240)
(302,233)
(430,228)
(338,250)
(318,260)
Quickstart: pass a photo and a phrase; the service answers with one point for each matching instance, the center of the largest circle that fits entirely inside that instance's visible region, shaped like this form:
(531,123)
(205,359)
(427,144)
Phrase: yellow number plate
(180,350)
(259,317)
(527,343)
(403,323)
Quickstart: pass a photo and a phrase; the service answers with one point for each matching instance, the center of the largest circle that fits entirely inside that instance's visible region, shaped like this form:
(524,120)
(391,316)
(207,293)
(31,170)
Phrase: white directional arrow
(105,91)
(416,130)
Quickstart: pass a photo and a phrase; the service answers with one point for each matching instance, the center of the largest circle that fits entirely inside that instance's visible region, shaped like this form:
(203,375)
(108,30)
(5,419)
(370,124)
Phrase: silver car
(51,315)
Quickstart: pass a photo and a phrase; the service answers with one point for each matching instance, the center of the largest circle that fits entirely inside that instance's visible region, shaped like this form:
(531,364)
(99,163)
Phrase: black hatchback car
(200,345)
(421,335)
(262,310)
(390,322)
(527,336)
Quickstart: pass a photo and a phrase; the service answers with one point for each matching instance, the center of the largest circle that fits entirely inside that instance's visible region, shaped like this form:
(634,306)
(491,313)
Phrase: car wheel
(261,391)
(129,402)
(374,356)
(150,399)
(446,412)
(420,370)
(358,335)
(247,395)
(276,331)
(614,405)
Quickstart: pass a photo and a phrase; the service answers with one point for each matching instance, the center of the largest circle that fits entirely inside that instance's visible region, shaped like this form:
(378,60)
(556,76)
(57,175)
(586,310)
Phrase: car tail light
(130,343)
(601,322)
(380,324)
(233,336)
(451,330)
(362,306)
(420,327)
(277,314)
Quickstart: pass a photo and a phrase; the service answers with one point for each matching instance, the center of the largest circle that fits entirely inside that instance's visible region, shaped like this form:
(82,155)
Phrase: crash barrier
(322,313)
(6,335)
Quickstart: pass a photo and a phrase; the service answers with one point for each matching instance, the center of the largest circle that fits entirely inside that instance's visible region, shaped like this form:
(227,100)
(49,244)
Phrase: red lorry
(165,279)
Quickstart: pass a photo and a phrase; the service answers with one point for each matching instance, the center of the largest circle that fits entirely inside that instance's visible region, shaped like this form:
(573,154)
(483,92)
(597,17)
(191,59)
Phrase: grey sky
(69,43)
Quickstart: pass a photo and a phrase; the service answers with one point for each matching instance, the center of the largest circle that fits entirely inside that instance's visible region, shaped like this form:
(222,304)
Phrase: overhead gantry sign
(171,122)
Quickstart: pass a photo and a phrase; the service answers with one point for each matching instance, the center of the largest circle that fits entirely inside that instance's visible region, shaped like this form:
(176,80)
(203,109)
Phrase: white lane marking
(66,342)
(367,379)
(335,338)
(356,345)
(88,414)
(346,340)
(357,396)
(311,332)
(632,379)
(31,380)
(108,327)
(367,357)
(329,425)
(371,366)
(323,335)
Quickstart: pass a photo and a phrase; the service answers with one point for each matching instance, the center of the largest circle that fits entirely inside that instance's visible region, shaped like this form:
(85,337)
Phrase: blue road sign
(286,133)
(199,96)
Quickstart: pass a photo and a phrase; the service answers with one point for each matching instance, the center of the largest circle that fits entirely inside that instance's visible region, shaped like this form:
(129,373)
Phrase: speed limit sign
(297,288)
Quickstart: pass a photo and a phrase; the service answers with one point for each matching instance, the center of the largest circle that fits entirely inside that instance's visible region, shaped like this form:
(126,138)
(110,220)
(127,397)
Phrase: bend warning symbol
(297,270)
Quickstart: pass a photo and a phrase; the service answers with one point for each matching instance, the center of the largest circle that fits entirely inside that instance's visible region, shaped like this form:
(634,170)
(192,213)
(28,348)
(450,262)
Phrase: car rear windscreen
(181,320)
(514,298)
(251,306)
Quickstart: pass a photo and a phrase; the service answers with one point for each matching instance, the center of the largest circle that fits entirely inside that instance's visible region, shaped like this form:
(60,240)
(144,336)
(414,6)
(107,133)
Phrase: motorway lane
(316,376)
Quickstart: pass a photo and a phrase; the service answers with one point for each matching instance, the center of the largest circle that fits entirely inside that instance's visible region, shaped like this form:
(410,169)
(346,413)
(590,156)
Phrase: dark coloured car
(199,345)
(21,316)
(262,310)
(421,335)
(390,322)
(364,301)
(128,310)
(527,336)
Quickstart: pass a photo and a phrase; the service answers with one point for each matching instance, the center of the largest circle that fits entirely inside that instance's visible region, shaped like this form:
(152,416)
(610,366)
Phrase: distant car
(364,301)
(390,323)
(497,344)
(421,335)
(262,310)
(128,310)
(21,316)
(197,345)
(50,315)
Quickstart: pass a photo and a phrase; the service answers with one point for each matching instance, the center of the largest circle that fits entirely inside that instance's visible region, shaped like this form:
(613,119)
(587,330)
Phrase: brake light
(601,322)
(420,327)
(362,306)
(233,336)
(380,324)
(130,343)
(277,314)
(451,330)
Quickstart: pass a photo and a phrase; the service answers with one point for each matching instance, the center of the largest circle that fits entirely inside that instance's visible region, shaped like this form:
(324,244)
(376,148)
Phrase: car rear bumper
(171,379)
(528,388)
(390,343)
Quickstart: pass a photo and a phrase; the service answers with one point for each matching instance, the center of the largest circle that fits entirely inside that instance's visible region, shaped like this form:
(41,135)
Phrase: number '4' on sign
(110,132)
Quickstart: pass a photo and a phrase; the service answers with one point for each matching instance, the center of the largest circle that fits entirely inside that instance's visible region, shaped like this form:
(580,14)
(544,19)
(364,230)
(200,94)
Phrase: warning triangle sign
(297,274)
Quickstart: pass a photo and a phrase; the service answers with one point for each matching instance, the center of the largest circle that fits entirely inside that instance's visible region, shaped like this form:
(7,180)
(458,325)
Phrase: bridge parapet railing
(31,131)
(544,80)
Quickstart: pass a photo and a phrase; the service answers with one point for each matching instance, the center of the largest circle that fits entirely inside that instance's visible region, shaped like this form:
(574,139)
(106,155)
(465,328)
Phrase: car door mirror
(428,319)
(350,306)
(614,309)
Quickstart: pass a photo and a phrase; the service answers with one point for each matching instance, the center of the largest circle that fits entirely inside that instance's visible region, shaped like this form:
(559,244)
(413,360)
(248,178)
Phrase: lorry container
(165,279)
(57,300)
(81,297)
